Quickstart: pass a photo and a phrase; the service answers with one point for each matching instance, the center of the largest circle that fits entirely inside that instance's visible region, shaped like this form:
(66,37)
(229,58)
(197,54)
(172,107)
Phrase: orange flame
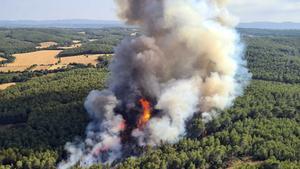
(122,125)
(145,117)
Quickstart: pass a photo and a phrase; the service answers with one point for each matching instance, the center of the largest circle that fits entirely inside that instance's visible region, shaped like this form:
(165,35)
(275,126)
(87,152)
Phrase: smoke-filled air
(189,61)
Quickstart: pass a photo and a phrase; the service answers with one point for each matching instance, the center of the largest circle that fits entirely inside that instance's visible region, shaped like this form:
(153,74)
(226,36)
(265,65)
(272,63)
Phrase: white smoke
(103,143)
(179,100)
(189,61)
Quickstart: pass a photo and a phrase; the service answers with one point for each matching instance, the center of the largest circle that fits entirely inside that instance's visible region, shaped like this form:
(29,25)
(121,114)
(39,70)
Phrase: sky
(246,10)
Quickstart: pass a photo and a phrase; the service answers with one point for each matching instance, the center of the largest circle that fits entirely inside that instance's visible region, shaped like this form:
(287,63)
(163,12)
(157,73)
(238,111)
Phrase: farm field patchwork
(25,60)
(65,61)
(47,60)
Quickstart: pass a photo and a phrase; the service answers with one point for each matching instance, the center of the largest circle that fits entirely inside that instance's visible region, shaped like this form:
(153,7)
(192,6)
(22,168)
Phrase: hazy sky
(246,10)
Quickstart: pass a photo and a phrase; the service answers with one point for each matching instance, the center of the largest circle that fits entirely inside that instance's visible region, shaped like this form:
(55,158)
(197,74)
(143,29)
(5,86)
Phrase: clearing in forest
(80,59)
(2,59)
(6,85)
(92,40)
(83,59)
(76,41)
(243,162)
(45,45)
(76,45)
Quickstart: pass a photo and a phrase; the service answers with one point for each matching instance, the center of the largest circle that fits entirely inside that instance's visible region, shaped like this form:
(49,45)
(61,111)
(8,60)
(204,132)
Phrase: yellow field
(39,57)
(45,45)
(65,61)
(2,59)
(25,60)
(6,85)
(54,67)
(40,67)
(83,59)
(46,60)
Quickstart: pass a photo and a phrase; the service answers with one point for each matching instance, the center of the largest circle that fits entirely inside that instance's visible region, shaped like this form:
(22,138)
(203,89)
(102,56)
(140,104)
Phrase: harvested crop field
(25,60)
(40,67)
(45,45)
(65,61)
(6,85)
(83,59)
(54,67)
(2,59)
(46,60)
(39,57)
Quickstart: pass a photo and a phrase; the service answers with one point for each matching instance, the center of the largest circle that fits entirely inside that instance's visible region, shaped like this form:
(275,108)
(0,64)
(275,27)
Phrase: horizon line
(118,20)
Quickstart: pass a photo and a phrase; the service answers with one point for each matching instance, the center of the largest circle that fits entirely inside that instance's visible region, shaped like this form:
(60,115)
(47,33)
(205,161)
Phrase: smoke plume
(188,61)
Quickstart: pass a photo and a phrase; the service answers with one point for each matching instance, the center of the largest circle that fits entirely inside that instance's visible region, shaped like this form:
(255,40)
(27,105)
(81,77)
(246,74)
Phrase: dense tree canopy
(274,59)
(261,130)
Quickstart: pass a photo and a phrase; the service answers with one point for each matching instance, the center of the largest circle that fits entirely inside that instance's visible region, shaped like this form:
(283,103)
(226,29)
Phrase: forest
(260,131)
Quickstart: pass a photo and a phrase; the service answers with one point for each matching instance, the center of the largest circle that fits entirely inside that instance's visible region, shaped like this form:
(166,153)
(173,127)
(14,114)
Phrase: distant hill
(76,23)
(270,25)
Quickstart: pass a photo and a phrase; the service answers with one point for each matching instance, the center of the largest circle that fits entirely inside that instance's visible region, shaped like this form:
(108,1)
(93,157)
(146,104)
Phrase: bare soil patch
(241,162)
(92,40)
(6,85)
(83,59)
(76,45)
(45,45)
(2,59)
(76,41)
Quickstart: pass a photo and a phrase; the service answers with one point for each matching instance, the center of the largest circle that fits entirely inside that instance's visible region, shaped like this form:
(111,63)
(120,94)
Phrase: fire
(146,115)
(122,125)
(99,150)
